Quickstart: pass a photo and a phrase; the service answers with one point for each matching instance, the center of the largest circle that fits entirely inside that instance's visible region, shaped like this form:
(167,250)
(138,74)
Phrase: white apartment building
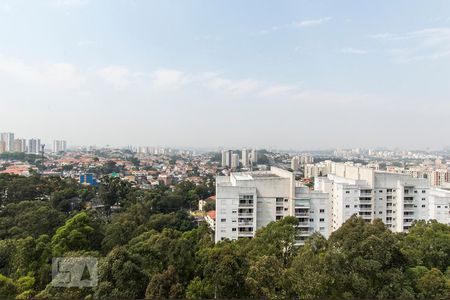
(8,138)
(317,170)
(244,157)
(248,201)
(59,146)
(234,160)
(20,145)
(34,146)
(226,158)
(396,199)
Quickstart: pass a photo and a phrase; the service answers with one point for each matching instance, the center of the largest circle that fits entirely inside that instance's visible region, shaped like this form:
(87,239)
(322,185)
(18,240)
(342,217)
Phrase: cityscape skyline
(313,75)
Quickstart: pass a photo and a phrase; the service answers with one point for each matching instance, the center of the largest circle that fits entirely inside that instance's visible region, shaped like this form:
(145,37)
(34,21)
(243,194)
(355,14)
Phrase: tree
(113,191)
(81,232)
(165,285)
(29,218)
(223,269)
(428,244)
(121,276)
(434,285)
(264,279)
(276,239)
(8,289)
(310,274)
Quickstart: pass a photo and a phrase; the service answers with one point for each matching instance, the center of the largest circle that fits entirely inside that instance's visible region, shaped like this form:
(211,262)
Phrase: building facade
(248,201)
(59,146)
(8,138)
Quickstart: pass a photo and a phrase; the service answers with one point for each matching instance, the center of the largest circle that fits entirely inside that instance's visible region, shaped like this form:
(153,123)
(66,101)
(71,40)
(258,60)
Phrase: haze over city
(302,75)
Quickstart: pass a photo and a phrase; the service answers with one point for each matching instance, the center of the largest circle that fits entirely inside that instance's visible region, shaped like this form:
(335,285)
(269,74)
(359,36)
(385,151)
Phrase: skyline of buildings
(8,143)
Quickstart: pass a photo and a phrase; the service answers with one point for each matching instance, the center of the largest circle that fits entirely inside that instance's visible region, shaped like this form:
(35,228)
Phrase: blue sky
(289,74)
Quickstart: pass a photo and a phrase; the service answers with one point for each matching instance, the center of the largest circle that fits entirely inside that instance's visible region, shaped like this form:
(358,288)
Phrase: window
(311,220)
(415,192)
(423,205)
(234,211)
(439,206)
(423,191)
(347,206)
(423,199)
(234,221)
(322,210)
(321,228)
(347,192)
(233,229)
(380,212)
(322,220)
(381,191)
(223,220)
(355,206)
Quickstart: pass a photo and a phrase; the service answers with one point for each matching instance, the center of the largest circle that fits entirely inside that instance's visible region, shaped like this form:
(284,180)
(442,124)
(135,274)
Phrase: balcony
(246,204)
(245,234)
(303,214)
(245,215)
(303,224)
(304,232)
(365,208)
(245,223)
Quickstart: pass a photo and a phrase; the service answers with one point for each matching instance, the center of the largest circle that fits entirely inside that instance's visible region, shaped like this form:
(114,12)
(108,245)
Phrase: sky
(201,73)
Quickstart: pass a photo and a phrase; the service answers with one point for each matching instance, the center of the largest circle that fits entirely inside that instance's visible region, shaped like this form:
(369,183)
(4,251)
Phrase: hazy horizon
(202,74)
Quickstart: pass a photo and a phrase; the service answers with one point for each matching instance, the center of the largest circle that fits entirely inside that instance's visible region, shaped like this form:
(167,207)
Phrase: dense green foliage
(151,247)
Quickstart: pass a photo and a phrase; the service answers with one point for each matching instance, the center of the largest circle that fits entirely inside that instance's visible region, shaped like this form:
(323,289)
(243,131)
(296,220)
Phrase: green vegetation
(153,248)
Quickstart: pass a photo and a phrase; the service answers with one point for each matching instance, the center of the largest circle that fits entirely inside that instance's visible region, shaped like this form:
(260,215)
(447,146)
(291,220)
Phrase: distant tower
(234,161)
(226,158)
(244,157)
(254,156)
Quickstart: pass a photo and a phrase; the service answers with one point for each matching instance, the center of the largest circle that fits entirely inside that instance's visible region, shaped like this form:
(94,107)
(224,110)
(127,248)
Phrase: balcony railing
(245,214)
(246,204)
(302,214)
(245,223)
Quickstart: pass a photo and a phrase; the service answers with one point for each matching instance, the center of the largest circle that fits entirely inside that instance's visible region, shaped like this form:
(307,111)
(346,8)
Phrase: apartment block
(396,199)
(248,201)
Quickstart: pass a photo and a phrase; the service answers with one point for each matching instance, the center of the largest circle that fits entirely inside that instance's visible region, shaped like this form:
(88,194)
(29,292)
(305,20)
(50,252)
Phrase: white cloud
(53,75)
(424,44)
(165,79)
(119,77)
(353,51)
(312,22)
(277,90)
(269,30)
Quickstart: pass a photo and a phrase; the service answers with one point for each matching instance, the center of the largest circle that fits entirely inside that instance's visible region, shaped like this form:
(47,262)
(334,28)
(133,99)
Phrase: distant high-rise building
(226,158)
(34,146)
(234,160)
(295,162)
(2,146)
(59,146)
(254,156)
(306,159)
(8,138)
(244,157)
(20,145)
